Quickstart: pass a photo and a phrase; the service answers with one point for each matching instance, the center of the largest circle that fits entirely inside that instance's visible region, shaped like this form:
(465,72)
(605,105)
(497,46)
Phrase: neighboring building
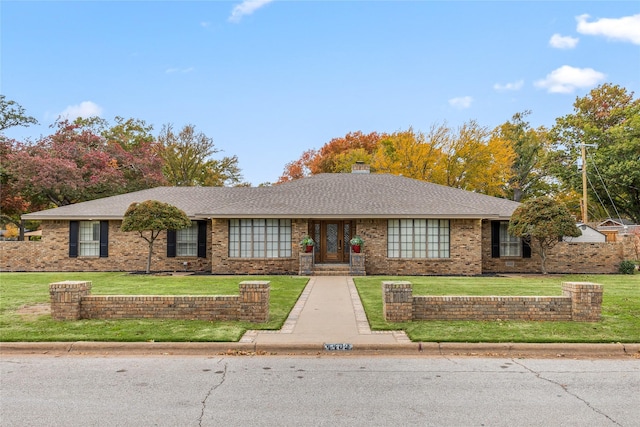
(589,235)
(410,227)
(612,228)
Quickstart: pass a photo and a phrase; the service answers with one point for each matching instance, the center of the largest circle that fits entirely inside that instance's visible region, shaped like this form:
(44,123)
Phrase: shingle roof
(319,196)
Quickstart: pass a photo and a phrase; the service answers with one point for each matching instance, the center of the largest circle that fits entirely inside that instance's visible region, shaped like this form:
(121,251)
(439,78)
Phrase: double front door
(332,240)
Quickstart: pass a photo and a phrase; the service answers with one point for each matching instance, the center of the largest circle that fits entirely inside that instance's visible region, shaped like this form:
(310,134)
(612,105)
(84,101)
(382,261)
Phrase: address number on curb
(334,347)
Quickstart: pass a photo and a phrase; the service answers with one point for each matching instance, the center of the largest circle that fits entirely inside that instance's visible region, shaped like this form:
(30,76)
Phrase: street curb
(429,349)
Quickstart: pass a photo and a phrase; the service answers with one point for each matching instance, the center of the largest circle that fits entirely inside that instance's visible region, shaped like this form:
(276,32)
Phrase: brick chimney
(360,167)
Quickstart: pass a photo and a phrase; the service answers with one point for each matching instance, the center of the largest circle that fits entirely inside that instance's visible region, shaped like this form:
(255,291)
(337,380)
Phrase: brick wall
(565,257)
(224,264)
(71,300)
(465,251)
(127,252)
(470,253)
(581,301)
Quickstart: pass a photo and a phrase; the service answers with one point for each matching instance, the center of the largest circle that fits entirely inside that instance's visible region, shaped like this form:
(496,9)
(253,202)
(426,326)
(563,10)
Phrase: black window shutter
(171,243)
(202,239)
(74,230)
(104,239)
(526,249)
(495,239)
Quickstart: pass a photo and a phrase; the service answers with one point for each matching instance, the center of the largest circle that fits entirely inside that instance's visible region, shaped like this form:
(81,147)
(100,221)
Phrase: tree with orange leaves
(335,156)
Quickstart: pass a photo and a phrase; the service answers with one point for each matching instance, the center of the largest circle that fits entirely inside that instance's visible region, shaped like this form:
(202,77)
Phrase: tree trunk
(543,256)
(149,257)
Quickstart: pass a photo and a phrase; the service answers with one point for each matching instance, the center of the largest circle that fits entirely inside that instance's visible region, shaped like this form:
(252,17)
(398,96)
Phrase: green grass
(27,289)
(620,309)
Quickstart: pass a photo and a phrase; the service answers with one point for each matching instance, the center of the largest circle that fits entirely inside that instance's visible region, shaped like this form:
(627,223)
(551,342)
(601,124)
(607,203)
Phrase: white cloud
(461,103)
(625,29)
(566,79)
(247,7)
(205,24)
(84,109)
(179,70)
(509,86)
(563,42)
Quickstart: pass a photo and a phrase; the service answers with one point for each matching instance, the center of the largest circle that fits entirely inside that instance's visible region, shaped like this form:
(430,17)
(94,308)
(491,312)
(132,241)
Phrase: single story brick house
(410,227)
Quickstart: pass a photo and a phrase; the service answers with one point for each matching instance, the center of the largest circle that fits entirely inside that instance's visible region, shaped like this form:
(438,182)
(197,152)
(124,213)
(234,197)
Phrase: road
(317,391)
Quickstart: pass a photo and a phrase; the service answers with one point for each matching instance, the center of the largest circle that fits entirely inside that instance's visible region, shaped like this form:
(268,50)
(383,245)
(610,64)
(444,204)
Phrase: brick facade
(565,257)
(224,264)
(465,251)
(71,300)
(127,252)
(581,302)
(470,253)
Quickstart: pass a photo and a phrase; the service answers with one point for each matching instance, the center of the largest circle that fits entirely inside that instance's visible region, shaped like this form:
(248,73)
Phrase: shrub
(627,267)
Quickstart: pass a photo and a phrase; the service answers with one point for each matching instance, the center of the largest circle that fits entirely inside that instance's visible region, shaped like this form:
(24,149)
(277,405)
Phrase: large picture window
(418,238)
(260,238)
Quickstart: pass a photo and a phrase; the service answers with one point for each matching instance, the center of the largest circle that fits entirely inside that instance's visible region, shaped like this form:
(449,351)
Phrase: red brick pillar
(254,301)
(66,298)
(586,300)
(397,303)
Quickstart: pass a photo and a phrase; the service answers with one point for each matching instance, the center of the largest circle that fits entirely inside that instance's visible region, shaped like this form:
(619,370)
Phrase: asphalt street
(317,391)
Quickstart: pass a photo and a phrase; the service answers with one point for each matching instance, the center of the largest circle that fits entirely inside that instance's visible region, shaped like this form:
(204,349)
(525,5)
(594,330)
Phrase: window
(418,238)
(89,241)
(88,238)
(260,238)
(187,240)
(505,245)
(509,245)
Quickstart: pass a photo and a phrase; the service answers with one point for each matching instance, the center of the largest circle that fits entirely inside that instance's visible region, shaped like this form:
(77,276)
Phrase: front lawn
(21,294)
(620,309)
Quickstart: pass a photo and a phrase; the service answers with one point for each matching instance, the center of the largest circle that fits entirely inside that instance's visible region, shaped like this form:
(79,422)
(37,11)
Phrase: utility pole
(583,203)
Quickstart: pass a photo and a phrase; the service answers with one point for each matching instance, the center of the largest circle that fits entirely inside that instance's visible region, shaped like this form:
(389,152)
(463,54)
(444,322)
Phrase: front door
(332,240)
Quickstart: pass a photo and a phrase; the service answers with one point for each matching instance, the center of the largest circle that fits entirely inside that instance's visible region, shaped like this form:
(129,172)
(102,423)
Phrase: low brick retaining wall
(580,301)
(72,300)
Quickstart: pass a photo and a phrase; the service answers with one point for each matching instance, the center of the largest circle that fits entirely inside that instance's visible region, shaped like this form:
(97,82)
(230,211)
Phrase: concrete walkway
(329,311)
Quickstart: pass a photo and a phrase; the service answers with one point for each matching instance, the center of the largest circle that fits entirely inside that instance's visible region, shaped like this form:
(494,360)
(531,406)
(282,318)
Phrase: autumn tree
(335,156)
(12,114)
(12,203)
(528,168)
(137,153)
(413,154)
(607,119)
(76,164)
(188,159)
(475,161)
(542,222)
(152,217)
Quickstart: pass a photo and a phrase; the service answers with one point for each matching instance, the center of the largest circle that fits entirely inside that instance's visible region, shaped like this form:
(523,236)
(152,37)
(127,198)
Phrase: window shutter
(495,239)
(74,231)
(171,243)
(104,239)
(526,249)
(202,239)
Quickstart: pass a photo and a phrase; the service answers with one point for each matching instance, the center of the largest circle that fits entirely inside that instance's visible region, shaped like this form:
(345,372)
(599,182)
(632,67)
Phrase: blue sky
(268,80)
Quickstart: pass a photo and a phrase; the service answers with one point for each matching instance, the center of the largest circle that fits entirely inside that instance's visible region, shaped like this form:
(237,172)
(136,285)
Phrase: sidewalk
(329,311)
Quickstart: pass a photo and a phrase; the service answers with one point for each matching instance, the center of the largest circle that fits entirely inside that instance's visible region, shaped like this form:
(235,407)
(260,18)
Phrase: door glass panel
(347,234)
(316,235)
(332,238)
